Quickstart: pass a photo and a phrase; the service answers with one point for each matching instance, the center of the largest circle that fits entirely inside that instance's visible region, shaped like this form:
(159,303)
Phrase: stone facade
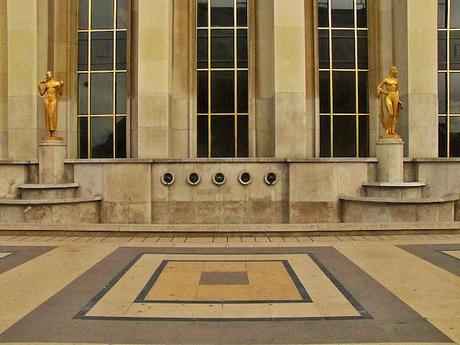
(36,35)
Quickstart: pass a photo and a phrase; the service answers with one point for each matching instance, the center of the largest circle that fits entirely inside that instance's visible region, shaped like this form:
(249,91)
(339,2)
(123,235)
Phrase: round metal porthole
(193,179)
(245,178)
(167,179)
(271,178)
(219,179)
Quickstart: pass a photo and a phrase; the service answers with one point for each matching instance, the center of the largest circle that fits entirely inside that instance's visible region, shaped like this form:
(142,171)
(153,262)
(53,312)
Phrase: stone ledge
(237,229)
(395,185)
(218,160)
(18,202)
(48,186)
(363,199)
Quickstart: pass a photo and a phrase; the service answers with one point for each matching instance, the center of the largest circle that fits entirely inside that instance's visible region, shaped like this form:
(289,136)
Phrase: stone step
(48,191)
(388,210)
(56,211)
(404,190)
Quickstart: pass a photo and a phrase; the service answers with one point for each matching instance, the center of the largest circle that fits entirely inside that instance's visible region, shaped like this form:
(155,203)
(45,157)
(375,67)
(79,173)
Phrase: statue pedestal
(51,161)
(390,153)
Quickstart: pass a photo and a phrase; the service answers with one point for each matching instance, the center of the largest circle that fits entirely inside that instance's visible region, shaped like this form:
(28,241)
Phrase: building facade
(230,111)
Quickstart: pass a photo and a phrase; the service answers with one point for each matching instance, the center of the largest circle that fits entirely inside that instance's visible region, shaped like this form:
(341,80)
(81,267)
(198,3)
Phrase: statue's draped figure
(388,93)
(51,89)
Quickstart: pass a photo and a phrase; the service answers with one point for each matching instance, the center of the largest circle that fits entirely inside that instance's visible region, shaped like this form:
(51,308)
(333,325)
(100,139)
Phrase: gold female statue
(51,89)
(388,93)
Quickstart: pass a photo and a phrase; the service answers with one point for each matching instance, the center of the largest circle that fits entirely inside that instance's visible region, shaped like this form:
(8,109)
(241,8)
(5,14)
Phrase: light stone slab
(51,162)
(390,167)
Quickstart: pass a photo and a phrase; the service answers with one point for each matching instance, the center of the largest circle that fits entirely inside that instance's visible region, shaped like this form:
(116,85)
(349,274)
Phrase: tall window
(449,77)
(102,81)
(343,78)
(222,78)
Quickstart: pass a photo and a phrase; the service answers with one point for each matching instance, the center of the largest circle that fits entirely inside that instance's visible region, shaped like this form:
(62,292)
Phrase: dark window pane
(83,51)
(122,14)
(101,51)
(102,137)
(443,136)
(120,144)
(364,136)
(361,9)
(442,93)
(82,94)
(344,91)
(362,49)
(83,15)
(442,14)
(121,50)
(242,51)
(344,136)
(202,13)
(202,48)
(222,13)
(242,92)
(82,137)
(342,13)
(202,92)
(102,93)
(121,93)
(223,92)
(223,136)
(343,49)
(323,13)
(442,50)
(455,50)
(102,14)
(325,136)
(324,92)
(222,49)
(363,93)
(202,136)
(455,14)
(242,12)
(243,136)
(455,93)
(455,136)
(323,43)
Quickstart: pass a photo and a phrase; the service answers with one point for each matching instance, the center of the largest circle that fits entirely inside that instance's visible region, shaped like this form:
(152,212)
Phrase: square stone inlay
(224,278)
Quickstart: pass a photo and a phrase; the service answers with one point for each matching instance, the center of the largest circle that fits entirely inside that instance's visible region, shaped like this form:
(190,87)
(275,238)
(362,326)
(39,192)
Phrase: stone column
(153,78)
(27,62)
(51,162)
(290,89)
(3,82)
(415,54)
(390,166)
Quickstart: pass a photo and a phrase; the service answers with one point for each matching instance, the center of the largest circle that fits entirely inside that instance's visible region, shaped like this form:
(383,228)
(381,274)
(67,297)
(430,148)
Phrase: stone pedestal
(390,153)
(51,162)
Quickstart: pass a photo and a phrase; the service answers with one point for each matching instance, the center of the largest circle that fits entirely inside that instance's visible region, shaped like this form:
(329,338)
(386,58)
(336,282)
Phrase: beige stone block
(11,214)
(153,142)
(314,212)
(427,213)
(232,190)
(446,212)
(207,212)
(115,213)
(38,214)
(89,213)
(89,176)
(153,110)
(10,177)
(51,162)
(22,112)
(140,213)
(350,178)
(314,182)
(182,212)
(390,166)
(402,213)
(231,212)
(22,144)
(153,76)
(65,214)
(127,183)
(22,15)
(155,45)
(160,192)
(160,212)
(181,190)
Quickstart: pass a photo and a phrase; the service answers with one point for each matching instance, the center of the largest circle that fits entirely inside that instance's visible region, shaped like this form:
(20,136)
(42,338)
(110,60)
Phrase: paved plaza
(389,289)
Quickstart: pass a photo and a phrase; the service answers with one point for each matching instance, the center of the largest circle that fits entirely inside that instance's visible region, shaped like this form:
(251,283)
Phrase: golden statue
(388,93)
(51,89)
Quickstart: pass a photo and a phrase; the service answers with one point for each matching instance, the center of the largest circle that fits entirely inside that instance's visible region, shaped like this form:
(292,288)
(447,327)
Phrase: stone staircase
(386,202)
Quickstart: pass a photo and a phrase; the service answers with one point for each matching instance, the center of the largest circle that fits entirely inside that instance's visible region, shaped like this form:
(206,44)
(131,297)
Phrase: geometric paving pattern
(326,293)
